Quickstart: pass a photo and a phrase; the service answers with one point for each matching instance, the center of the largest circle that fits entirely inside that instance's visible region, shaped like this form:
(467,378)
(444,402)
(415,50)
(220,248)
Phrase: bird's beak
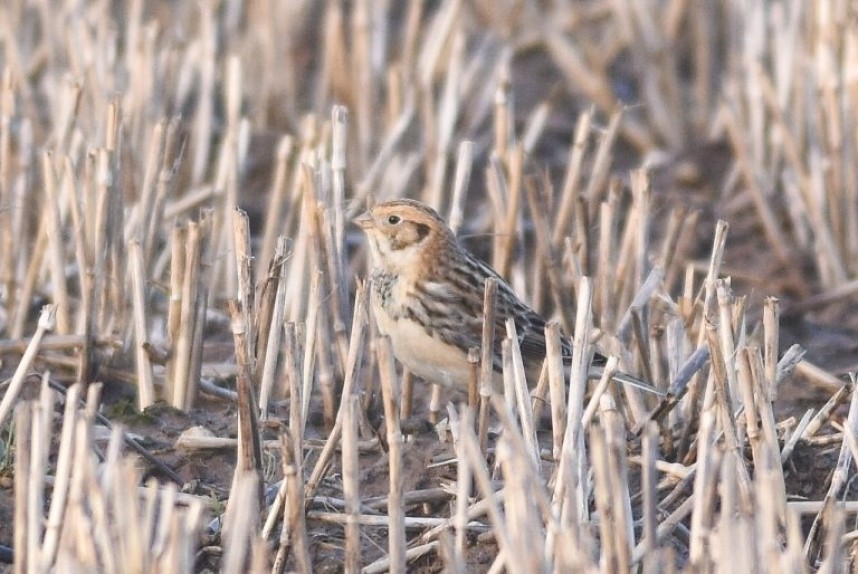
(364,220)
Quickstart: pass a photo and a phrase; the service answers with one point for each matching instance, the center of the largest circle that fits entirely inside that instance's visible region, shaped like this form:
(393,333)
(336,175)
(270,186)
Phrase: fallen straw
(46,323)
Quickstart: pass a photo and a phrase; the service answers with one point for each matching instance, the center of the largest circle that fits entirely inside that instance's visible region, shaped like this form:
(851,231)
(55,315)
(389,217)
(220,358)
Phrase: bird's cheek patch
(422,231)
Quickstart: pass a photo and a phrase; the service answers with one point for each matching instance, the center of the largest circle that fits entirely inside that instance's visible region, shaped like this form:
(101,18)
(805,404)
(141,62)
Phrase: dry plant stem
(23,450)
(145,385)
(747,385)
(461,180)
(606,279)
(817,376)
(569,194)
(7,112)
(395,509)
(56,246)
(545,249)
(745,162)
(277,198)
(18,321)
(653,282)
(276,509)
(487,360)
(824,414)
(282,555)
(602,486)
(383,564)
(512,175)
(187,318)
(349,387)
(387,151)
(338,285)
(838,480)
(453,563)
(524,463)
(351,483)
(483,481)
(242,517)
(570,492)
(522,395)
(842,292)
(291,353)
(274,329)
(148,189)
(474,377)
(243,265)
(797,434)
(649,448)
(46,323)
(704,479)
(93,394)
(556,385)
(464,484)
(54,522)
(771,340)
(267,301)
(376,520)
(615,433)
(174,311)
(310,342)
(448,111)
(250,453)
(601,387)
(407,394)
(340,121)
(296,516)
(722,403)
(435,404)
(518,507)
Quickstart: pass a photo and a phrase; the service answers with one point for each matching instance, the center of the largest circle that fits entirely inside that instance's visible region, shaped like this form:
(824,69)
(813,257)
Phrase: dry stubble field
(183,317)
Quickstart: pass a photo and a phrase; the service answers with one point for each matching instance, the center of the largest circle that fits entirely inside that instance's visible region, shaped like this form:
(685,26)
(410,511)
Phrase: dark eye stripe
(422,231)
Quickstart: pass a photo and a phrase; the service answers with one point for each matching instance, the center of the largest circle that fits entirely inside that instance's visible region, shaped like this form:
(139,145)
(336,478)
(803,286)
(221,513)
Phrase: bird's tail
(626,379)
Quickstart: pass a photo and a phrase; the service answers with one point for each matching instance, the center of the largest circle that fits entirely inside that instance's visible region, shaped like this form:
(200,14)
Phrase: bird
(427,297)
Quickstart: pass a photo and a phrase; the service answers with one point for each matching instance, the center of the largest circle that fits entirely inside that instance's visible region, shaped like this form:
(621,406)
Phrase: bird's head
(404,233)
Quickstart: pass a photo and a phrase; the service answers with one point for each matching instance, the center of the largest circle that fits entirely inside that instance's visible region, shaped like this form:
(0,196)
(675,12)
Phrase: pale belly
(427,357)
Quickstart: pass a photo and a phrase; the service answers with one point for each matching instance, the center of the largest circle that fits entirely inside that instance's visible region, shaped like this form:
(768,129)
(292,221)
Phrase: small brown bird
(428,298)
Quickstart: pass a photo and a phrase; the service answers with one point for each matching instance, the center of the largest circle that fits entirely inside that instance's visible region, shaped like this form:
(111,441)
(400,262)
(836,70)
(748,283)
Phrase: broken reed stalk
(56,515)
(395,509)
(464,165)
(272,323)
(249,450)
(351,483)
(56,245)
(487,359)
(86,504)
(570,492)
(23,450)
(522,394)
(46,323)
(522,479)
(813,543)
(244,269)
(145,384)
(435,403)
(290,496)
(188,321)
(557,386)
(350,386)
(241,521)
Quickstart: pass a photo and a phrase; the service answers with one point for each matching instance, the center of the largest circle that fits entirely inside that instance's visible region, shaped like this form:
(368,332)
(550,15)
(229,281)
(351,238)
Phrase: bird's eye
(393,219)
